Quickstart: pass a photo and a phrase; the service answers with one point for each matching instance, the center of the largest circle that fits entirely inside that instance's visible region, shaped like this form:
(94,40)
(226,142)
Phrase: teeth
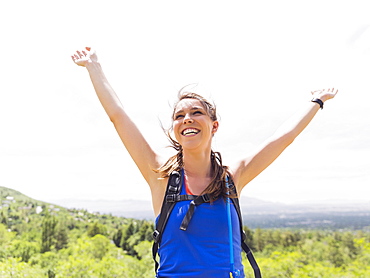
(190,131)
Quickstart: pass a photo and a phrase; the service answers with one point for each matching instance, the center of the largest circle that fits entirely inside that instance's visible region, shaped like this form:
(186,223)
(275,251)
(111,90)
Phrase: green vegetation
(311,253)
(38,239)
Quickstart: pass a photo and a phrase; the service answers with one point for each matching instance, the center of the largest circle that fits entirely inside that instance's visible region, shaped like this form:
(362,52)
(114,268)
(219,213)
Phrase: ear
(215,127)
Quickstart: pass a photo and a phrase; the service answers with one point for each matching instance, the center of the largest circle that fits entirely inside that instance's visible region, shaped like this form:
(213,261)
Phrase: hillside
(43,240)
(22,214)
(256,213)
(11,199)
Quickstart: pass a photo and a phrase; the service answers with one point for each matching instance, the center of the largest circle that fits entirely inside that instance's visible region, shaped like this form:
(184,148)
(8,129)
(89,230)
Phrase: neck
(197,164)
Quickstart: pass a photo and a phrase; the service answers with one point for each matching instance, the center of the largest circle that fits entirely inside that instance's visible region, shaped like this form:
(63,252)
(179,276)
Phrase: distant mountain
(256,213)
(327,215)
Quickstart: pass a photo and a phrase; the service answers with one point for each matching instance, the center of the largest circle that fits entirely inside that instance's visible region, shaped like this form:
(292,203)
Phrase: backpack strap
(246,249)
(172,196)
(205,198)
(173,190)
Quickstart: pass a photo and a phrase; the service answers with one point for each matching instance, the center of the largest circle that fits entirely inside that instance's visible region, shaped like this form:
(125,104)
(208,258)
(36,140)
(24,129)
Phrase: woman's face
(192,126)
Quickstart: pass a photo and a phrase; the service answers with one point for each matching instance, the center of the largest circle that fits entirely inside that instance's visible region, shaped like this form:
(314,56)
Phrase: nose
(188,119)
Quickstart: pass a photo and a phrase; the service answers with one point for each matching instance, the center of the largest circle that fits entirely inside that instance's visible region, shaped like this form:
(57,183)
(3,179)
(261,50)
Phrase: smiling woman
(205,242)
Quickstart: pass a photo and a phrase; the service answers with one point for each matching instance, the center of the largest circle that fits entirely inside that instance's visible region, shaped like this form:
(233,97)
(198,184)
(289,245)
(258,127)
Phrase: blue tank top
(203,249)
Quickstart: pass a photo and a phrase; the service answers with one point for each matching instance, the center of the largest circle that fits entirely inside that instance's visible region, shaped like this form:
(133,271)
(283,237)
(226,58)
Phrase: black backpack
(172,196)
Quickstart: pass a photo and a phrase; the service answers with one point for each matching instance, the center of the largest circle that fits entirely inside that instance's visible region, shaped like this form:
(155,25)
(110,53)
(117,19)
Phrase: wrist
(92,65)
(321,96)
(318,101)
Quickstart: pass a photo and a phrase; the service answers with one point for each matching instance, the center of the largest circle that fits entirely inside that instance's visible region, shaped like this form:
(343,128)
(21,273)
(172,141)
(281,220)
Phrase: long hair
(217,186)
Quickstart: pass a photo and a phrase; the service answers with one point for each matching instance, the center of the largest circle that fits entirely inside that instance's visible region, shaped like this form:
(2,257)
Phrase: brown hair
(217,187)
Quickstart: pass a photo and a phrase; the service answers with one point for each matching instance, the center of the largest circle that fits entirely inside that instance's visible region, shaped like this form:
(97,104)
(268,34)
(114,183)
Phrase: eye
(178,116)
(198,112)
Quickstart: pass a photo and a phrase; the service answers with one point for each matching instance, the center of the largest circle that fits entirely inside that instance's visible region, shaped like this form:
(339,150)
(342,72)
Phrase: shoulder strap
(196,201)
(172,196)
(246,249)
(169,201)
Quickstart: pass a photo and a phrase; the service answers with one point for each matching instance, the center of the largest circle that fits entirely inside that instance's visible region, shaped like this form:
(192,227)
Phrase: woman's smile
(190,132)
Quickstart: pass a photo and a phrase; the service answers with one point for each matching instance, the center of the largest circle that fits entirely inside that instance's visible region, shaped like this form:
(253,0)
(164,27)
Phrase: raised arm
(247,169)
(143,155)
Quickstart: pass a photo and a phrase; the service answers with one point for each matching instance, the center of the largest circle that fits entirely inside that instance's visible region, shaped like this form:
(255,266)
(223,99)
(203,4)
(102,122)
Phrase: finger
(314,92)
(79,54)
(88,48)
(84,53)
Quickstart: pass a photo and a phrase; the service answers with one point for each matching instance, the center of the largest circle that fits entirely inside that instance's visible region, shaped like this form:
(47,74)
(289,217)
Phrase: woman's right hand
(81,58)
(325,95)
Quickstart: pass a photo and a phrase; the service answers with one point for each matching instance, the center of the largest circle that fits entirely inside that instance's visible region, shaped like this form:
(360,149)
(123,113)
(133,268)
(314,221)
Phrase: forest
(38,239)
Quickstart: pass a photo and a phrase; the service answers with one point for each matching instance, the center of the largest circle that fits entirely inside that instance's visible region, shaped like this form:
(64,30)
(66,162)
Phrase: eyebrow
(191,109)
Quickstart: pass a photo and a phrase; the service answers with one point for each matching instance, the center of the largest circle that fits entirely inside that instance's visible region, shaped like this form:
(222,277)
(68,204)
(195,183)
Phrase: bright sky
(257,60)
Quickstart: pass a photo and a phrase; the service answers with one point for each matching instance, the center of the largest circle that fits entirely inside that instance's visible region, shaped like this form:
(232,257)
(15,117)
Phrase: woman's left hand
(82,58)
(325,94)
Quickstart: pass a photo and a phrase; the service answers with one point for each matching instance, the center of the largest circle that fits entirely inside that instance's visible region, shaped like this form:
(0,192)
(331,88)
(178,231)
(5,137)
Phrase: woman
(201,250)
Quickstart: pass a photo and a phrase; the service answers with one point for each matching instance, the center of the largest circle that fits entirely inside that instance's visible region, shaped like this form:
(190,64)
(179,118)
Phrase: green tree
(61,237)
(146,231)
(349,245)
(117,238)
(47,261)
(48,233)
(23,249)
(127,232)
(335,255)
(96,229)
(258,240)
(289,238)
(99,246)
(5,240)
(14,268)
(3,218)
(249,239)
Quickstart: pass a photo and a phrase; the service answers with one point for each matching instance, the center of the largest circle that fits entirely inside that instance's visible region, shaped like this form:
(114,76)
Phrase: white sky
(258,60)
